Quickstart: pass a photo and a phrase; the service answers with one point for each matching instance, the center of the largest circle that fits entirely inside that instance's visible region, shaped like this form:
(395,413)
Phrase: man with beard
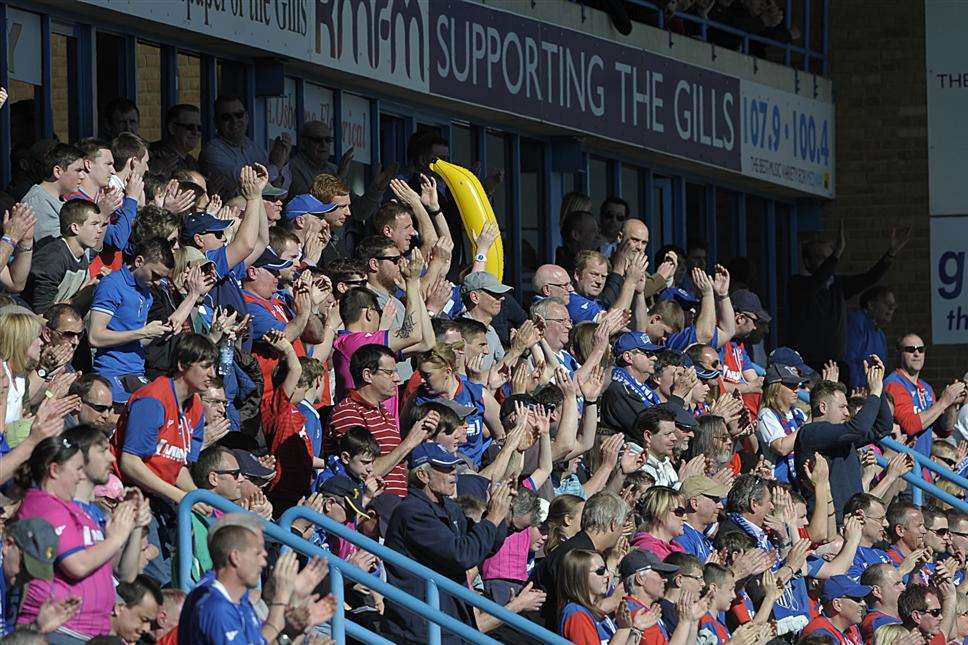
(916,409)
(98,461)
(865,332)
(591,275)
(382,256)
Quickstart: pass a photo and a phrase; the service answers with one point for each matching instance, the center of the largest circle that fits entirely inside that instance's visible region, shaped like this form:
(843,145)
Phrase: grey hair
(245,520)
(746,489)
(412,480)
(602,510)
(526,503)
(543,307)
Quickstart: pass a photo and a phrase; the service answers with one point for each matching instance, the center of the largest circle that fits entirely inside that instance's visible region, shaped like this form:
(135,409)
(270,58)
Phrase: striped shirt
(354,410)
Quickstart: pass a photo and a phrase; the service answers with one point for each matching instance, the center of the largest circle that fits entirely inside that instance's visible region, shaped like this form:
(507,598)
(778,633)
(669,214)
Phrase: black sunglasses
(217,234)
(69,334)
(679,512)
(100,409)
(934,612)
(600,571)
(913,349)
(390,258)
(234,474)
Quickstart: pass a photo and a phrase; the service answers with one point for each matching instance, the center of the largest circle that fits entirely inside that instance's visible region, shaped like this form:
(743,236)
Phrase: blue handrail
(338,568)
(919,483)
(435,581)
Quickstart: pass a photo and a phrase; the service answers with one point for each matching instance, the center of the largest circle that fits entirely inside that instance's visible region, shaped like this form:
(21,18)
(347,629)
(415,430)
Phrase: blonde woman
(663,513)
(441,380)
(20,346)
(896,634)
(779,419)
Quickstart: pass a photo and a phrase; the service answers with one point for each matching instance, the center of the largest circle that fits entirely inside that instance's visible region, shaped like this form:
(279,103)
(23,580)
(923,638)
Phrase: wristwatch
(42,373)
(480,257)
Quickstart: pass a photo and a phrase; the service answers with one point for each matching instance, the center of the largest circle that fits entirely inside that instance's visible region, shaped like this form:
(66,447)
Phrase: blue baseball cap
(271,262)
(431,452)
(843,587)
(679,295)
(791,357)
(635,340)
(306,205)
(199,223)
(747,302)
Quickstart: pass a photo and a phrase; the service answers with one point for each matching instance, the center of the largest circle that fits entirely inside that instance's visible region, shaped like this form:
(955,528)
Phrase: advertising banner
(949,306)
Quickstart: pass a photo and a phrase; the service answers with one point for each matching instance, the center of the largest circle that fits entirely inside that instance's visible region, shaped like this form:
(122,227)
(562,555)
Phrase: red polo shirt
(354,410)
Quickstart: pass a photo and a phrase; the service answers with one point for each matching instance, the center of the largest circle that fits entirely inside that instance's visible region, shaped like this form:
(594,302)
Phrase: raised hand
(528,599)
(875,375)
(343,167)
(279,153)
(277,341)
(18,222)
(309,578)
(702,281)
(214,204)
(405,193)
(428,192)
(830,371)
(177,201)
(214,430)
(818,469)
(55,612)
(592,385)
(109,200)
(284,577)
(486,238)
(135,186)
(721,281)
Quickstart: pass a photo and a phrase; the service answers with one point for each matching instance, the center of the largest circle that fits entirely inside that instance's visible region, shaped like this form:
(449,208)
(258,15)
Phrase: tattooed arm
(411,333)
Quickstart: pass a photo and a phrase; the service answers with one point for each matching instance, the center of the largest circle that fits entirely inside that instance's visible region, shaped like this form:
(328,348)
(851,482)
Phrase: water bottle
(226,354)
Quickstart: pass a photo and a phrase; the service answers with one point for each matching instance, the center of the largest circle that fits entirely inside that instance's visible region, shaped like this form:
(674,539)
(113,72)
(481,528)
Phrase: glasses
(940,532)
(496,296)
(600,571)
(228,116)
(713,498)
(679,512)
(934,612)
(958,533)
(219,402)
(100,409)
(691,575)
(386,371)
(390,258)
(218,235)
(191,127)
(557,319)
(318,139)
(566,285)
(913,349)
(68,334)
(234,474)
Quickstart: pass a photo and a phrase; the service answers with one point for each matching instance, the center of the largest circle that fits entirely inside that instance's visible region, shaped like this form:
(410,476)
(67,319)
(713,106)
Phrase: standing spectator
(96,184)
(818,299)
(916,409)
(662,512)
(874,532)
(346,228)
(865,332)
(579,232)
(119,115)
(835,436)
(85,551)
(382,260)
(482,294)
(906,533)
(311,158)
(119,315)
(59,268)
(590,300)
(183,123)
(224,156)
(738,368)
(629,393)
(430,528)
(886,587)
(779,419)
(612,215)
(61,335)
(373,368)
(64,170)
(552,280)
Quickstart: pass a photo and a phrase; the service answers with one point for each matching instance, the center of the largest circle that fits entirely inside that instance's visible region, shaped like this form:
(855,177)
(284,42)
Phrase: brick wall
(877,66)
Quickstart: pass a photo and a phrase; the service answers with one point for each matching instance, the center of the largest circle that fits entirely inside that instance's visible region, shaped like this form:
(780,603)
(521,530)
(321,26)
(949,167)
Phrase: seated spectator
(563,521)
(59,269)
(551,280)
(885,584)
(579,232)
(905,534)
(662,521)
(230,150)
(119,115)
(589,301)
(703,500)
(871,509)
(64,170)
(843,610)
(137,609)
(183,134)
(311,157)
(928,611)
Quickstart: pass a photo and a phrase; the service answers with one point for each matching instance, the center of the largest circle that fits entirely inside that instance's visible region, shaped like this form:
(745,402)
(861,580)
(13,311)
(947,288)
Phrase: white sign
(356,126)
(378,39)
(949,281)
(317,104)
(280,26)
(281,113)
(23,45)
(945,24)
(787,139)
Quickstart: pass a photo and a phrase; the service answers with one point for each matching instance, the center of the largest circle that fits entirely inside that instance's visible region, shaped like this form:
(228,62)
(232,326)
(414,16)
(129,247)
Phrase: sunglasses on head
(100,409)
(913,349)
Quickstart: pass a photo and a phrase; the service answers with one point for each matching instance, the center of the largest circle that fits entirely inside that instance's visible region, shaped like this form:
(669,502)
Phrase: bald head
(637,234)
(552,280)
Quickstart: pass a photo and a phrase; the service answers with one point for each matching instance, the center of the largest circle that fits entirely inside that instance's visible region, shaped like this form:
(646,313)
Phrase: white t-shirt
(15,396)
(768,430)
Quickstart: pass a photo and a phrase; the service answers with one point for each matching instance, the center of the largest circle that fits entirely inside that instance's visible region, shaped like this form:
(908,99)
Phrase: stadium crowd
(615,457)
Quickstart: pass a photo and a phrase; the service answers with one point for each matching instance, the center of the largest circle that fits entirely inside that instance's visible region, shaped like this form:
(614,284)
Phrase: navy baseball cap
(638,560)
(306,205)
(199,223)
(679,295)
(745,301)
(843,587)
(791,357)
(250,466)
(786,374)
(683,418)
(431,452)
(345,489)
(635,340)
(271,262)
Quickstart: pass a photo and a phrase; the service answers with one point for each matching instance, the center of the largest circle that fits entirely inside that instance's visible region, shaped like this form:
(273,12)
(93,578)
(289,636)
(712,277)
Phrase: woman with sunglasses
(583,583)
(663,514)
(779,419)
(85,553)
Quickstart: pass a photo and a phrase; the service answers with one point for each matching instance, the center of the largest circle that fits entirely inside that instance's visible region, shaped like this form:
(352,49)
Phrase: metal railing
(920,486)
(435,581)
(340,569)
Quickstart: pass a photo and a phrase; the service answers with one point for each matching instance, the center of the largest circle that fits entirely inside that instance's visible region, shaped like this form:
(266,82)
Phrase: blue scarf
(641,390)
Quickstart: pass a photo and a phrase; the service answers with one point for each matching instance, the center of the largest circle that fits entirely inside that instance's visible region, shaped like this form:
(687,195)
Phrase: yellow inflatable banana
(475,210)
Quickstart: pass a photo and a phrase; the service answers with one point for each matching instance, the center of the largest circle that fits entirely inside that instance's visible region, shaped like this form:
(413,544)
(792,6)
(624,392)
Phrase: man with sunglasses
(97,406)
(61,335)
(482,295)
(183,123)
(920,414)
(629,393)
(843,610)
(703,499)
(224,156)
(928,611)
(312,156)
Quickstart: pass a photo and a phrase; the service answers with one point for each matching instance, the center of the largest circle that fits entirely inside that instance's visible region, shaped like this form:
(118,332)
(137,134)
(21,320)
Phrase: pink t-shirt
(661,548)
(347,342)
(511,560)
(77,532)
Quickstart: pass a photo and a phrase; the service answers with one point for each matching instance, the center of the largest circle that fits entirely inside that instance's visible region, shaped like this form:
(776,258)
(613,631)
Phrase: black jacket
(546,571)
(440,537)
(838,442)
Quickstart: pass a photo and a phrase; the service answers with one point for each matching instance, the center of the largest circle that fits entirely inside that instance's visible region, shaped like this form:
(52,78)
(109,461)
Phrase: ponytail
(52,450)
